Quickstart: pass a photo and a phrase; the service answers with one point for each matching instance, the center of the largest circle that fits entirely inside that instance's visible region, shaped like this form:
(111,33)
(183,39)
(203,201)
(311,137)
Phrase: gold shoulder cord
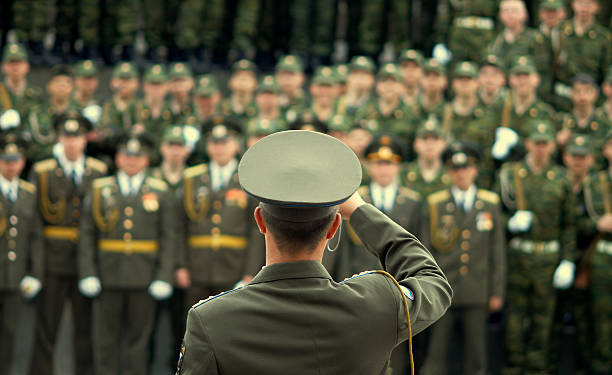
(433,227)
(5,98)
(518,186)
(52,212)
(194,213)
(605,191)
(506,110)
(447,119)
(405,302)
(105,223)
(3,222)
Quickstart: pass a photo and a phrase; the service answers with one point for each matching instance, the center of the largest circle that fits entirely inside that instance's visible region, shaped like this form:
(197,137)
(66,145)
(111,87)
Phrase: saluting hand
(347,208)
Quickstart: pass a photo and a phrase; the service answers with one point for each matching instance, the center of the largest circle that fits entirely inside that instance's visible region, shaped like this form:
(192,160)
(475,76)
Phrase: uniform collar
(291,270)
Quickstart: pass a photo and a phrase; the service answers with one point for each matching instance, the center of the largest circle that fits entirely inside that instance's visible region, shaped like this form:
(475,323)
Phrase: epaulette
(97,165)
(439,196)
(203,301)
(409,193)
(195,171)
(45,165)
(156,183)
(487,196)
(103,181)
(364,191)
(358,275)
(27,186)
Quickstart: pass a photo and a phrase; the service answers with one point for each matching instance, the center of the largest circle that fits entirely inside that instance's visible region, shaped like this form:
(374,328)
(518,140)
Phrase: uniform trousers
(10,302)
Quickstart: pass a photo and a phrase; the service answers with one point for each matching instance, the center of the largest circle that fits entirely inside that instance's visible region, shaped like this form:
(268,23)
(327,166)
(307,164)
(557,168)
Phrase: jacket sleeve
(197,353)
(168,243)
(497,273)
(403,256)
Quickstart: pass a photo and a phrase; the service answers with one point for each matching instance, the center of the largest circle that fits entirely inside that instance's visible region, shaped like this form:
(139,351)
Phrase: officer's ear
(261,224)
(334,227)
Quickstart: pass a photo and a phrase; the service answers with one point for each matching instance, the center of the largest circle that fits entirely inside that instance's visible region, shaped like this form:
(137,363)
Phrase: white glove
(30,286)
(520,222)
(500,150)
(192,136)
(564,275)
(92,113)
(90,286)
(442,53)
(160,290)
(10,119)
(506,135)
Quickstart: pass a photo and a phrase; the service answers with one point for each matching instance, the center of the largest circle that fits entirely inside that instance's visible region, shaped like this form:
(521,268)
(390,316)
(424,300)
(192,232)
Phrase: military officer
(242,84)
(119,113)
(222,244)
(289,74)
(426,174)
(538,198)
(359,84)
(22,261)
(491,83)
(410,63)
(295,241)
(180,88)
(324,103)
(62,182)
(267,101)
(551,14)
(153,114)
(125,254)
(465,230)
(86,81)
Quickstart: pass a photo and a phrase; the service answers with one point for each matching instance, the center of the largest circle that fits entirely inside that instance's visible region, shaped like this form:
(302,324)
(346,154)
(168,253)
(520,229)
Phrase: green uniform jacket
(402,121)
(470,248)
(222,241)
(24,103)
(596,128)
(293,318)
(412,177)
(59,206)
(21,245)
(127,241)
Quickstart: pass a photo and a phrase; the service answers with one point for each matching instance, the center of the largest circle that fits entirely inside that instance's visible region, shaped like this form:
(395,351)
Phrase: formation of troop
(496,153)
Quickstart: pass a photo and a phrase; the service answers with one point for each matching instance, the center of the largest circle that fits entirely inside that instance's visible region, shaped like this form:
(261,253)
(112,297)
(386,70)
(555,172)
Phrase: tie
(383,201)
(10,193)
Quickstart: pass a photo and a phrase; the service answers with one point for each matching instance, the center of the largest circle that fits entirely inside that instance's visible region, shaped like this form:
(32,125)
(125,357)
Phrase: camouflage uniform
(529,43)
(596,128)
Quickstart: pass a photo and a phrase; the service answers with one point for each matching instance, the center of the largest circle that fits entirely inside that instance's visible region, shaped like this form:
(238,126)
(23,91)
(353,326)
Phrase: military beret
(72,123)
(85,68)
(431,126)
(155,74)
(579,144)
(134,144)
(433,66)
(289,63)
(523,65)
(14,52)
(125,70)
(206,85)
(385,148)
(411,55)
(324,75)
(461,154)
(180,70)
(309,122)
(299,176)
(363,63)
(257,126)
(540,131)
(244,65)
(12,146)
(174,135)
(220,128)
(389,70)
(268,84)
(465,69)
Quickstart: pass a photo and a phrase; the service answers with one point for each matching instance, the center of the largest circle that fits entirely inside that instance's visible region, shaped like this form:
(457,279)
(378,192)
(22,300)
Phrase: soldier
(584,47)
(426,174)
(267,102)
(339,128)
(538,198)
(584,119)
(15,92)
(119,113)
(206,98)
(242,84)
(23,265)
(180,87)
(126,255)
(86,81)
(289,74)
(551,14)
(465,230)
(153,114)
(491,84)
(258,128)
(62,182)
(359,83)
(341,72)
(222,244)
(388,111)
(433,85)
(411,68)
(324,102)
(597,261)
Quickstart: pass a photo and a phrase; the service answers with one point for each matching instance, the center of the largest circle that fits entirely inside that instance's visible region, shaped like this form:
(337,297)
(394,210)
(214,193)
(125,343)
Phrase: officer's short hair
(292,238)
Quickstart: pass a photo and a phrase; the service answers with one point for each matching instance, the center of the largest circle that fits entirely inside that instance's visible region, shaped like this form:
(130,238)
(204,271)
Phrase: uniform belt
(61,233)
(473,22)
(128,247)
(604,247)
(538,247)
(218,241)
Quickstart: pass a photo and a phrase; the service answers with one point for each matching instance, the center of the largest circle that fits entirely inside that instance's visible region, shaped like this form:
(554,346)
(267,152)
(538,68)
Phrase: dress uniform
(434,82)
(126,244)
(465,230)
(21,245)
(221,242)
(62,185)
(292,314)
(541,204)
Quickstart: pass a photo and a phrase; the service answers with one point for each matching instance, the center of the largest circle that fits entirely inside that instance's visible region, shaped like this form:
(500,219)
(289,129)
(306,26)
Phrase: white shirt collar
(129,185)
(467,197)
(384,196)
(9,185)
(77,166)
(220,175)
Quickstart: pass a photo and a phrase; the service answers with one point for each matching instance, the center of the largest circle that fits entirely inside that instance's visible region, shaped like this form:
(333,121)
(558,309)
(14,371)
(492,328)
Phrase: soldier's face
(86,85)
(222,151)
(11,169)
(358,139)
(16,69)
(606,88)
(433,82)
(155,91)
(125,86)
(383,172)
(181,86)
(552,17)
(267,101)
(583,94)
(524,84)
(323,93)
(74,145)
(289,82)
(175,154)
(360,80)
(465,86)
(512,13)
(429,147)
(578,164)
(60,86)
(132,164)
(540,150)
(243,81)
(207,104)
(463,177)
(585,9)
(411,73)
(491,79)
(388,88)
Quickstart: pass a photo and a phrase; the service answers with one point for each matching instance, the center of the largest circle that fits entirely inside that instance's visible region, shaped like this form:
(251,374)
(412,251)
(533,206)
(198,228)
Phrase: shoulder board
(95,164)
(411,194)
(439,196)
(156,183)
(45,165)
(104,181)
(29,187)
(364,190)
(487,196)
(195,171)
(203,301)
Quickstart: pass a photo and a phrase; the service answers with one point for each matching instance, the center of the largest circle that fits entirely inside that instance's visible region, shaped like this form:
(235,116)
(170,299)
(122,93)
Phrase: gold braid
(5,98)
(3,222)
(105,223)
(52,212)
(195,213)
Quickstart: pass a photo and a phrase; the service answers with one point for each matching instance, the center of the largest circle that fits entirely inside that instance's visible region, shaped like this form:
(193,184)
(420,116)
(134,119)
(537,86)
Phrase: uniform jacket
(127,241)
(293,318)
(222,241)
(469,247)
(21,247)
(59,205)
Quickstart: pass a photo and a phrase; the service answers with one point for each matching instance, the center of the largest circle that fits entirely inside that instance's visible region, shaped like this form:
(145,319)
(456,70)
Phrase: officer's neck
(432,98)
(59,102)
(388,104)
(274,255)
(464,104)
(83,98)
(488,97)
(577,178)
(583,112)
(17,85)
(537,165)
(523,102)
(242,98)
(581,25)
